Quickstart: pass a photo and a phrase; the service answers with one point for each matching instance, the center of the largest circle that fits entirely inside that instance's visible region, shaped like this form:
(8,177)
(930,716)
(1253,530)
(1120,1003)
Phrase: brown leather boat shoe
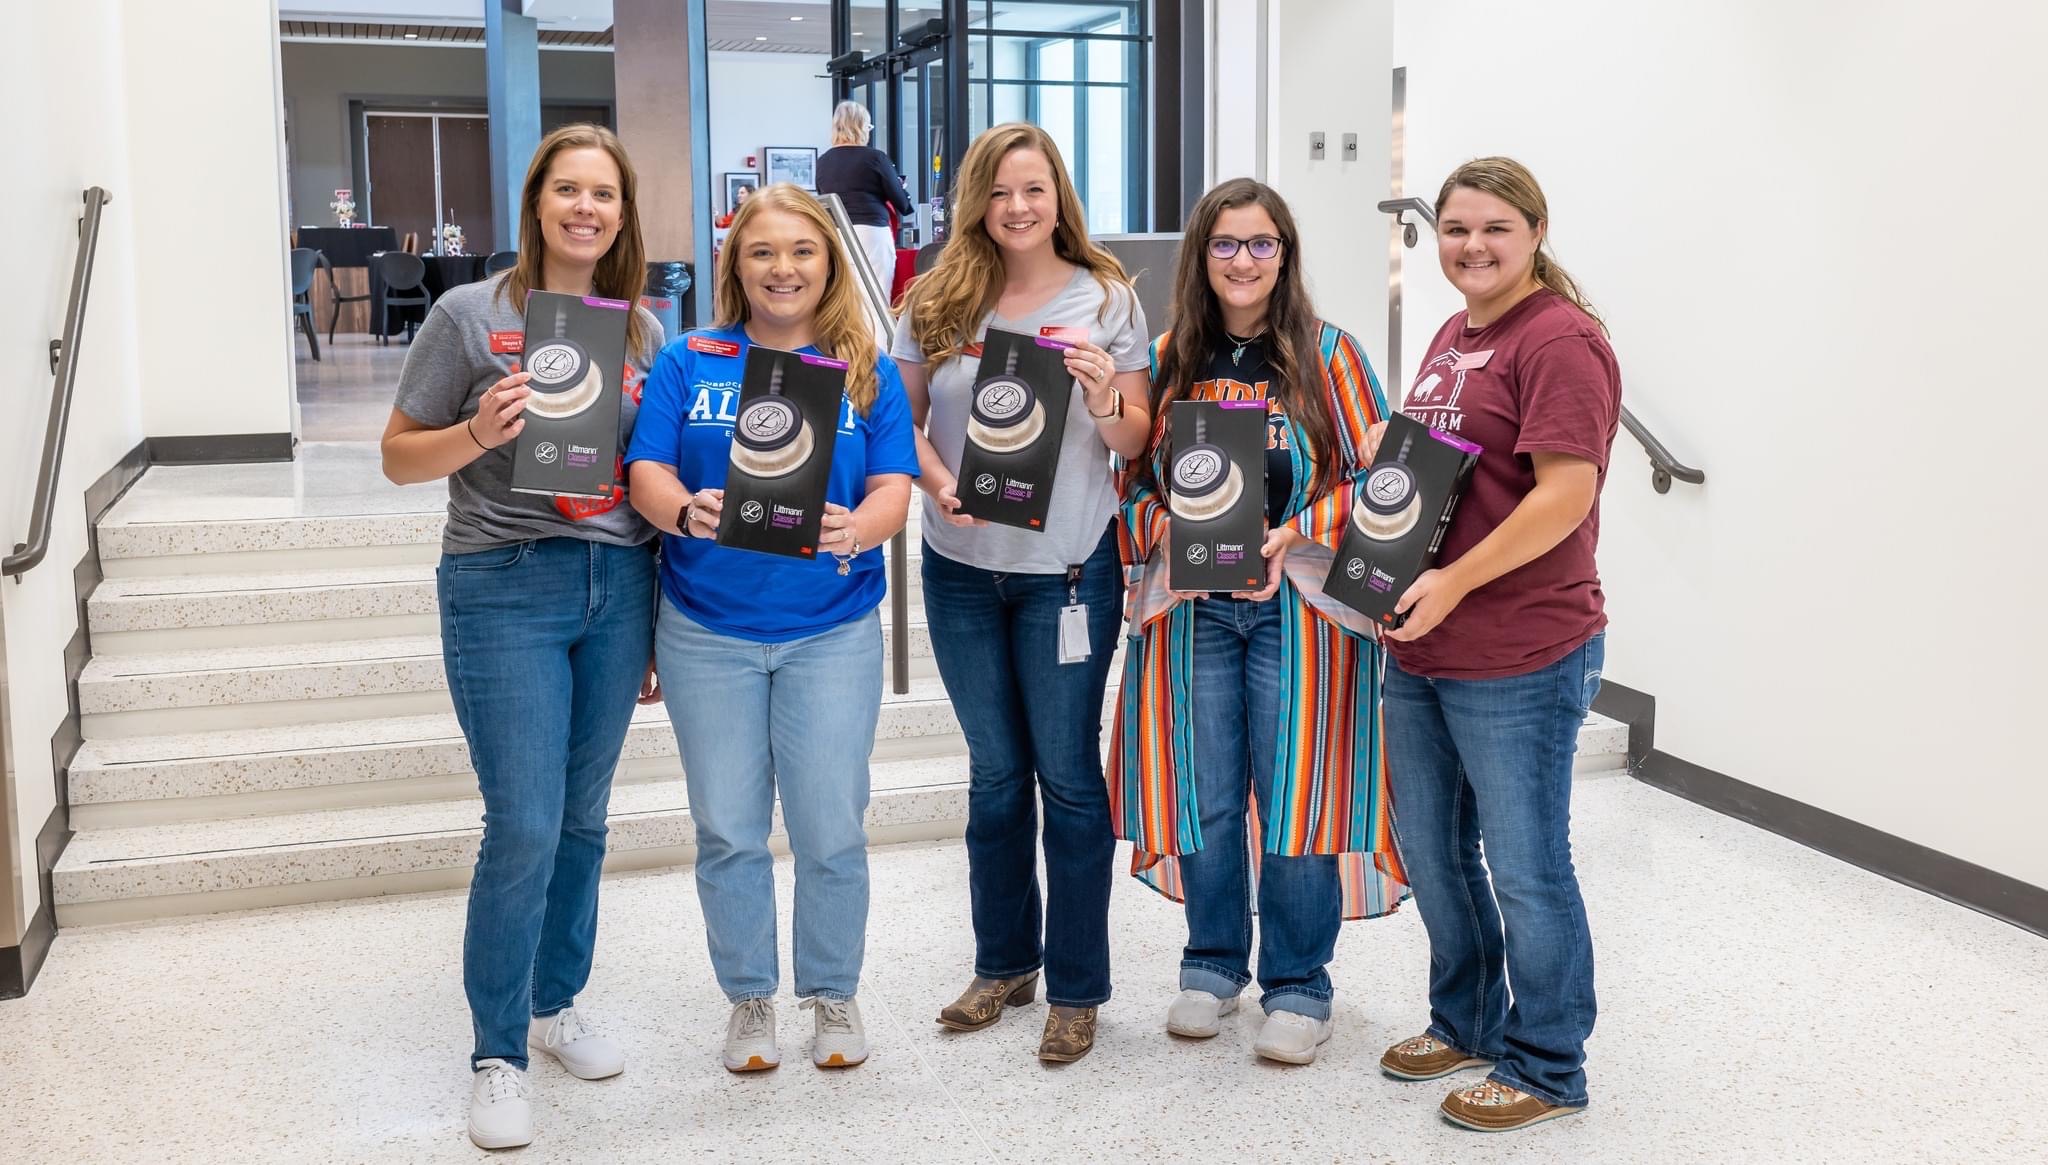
(1493,1107)
(983,1002)
(1069,1034)
(1425,1057)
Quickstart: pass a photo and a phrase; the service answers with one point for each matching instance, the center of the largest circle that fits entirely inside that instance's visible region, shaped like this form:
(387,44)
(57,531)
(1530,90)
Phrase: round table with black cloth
(443,272)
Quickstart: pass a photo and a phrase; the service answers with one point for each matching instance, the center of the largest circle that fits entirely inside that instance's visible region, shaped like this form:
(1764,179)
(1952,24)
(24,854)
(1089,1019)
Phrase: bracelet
(466,427)
(1116,411)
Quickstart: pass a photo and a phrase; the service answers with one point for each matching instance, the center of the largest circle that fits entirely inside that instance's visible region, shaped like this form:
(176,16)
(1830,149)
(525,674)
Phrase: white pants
(880,245)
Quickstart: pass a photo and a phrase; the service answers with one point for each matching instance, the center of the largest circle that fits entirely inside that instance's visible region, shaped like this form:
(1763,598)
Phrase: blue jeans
(1490,761)
(1236,712)
(1034,730)
(545,645)
(760,720)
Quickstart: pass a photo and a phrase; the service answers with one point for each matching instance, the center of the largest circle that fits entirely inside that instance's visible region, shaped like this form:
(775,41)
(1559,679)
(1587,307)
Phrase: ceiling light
(796,18)
(760,38)
(412,36)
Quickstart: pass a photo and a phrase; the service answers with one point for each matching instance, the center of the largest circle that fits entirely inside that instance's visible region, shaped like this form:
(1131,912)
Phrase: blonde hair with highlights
(1512,183)
(851,123)
(948,302)
(840,329)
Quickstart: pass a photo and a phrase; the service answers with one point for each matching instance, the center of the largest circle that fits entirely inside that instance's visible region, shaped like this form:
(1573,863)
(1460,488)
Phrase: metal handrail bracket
(64,353)
(1664,468)
(899,544)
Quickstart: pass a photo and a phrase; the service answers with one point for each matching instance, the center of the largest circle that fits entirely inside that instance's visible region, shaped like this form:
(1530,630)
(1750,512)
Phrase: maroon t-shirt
(1540,379)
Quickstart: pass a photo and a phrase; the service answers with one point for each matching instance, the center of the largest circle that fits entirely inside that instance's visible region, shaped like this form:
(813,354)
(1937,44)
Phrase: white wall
(65,61)
(205,144)
(1803,226)
(764,99)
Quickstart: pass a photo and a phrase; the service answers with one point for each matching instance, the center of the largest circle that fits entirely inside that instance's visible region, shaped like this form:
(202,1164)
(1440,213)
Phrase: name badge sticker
(508,343)
(1471,360)
(1065,335)
(711,347)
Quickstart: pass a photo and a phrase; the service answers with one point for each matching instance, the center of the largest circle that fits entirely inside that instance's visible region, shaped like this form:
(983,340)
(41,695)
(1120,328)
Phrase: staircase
(266,720)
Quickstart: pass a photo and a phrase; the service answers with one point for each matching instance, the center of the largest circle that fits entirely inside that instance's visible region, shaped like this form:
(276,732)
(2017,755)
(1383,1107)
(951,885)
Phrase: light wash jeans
(755,720)
(545,644)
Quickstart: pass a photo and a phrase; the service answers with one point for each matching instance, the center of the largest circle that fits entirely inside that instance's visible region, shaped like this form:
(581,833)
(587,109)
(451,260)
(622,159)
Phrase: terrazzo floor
(1759,1003)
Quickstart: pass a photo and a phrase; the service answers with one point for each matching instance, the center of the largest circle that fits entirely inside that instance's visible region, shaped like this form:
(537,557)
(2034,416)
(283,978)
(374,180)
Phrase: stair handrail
(1664,468)
(899,545)
(64,363)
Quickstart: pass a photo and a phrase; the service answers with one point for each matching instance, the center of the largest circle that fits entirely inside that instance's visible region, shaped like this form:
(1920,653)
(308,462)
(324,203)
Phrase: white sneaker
(750,1037)
(500,1115)
(580,1048)
(1291,1038)
(840,1040)
(1198,1014)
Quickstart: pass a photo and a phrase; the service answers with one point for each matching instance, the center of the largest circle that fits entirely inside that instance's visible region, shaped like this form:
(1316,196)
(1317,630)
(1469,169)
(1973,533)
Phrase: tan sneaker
(1425,1058)
(1493,1107)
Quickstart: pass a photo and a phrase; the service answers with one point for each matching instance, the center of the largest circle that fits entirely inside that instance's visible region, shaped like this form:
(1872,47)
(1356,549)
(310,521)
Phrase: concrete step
(125,875)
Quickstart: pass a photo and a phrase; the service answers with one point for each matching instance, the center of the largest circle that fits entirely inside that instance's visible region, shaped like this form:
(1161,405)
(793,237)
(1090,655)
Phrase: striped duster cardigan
(1329,785)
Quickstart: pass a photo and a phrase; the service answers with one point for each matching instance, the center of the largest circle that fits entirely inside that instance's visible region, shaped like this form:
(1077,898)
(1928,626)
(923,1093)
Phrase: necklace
(1242,344)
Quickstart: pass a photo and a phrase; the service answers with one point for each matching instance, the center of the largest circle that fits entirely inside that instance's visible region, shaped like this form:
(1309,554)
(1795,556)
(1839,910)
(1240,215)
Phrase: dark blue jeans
(1489,762)
(1236,709)
(545,643)
(1034,730)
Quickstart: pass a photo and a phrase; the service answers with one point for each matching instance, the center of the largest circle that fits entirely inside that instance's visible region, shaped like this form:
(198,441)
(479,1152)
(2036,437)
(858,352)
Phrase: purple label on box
(1241,404)
(824,362)
(1458,443)
(1055,345)
(618,304)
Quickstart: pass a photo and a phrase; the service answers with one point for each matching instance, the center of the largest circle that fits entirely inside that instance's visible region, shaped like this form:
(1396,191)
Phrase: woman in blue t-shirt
(771,666)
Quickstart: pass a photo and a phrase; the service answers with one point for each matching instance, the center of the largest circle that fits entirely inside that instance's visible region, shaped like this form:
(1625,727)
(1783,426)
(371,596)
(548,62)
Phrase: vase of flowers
(451,239)
(344,207)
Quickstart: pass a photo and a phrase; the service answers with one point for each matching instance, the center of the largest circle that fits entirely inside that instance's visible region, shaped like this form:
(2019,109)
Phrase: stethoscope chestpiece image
(564,379)
(1004,414)
(1388,505)
(1205,482)
(771,438)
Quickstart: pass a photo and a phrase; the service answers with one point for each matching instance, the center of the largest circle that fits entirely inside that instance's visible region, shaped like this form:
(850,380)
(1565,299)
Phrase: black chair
(500,261)
(334,294)
(302,295)
(927,257)
(401,273)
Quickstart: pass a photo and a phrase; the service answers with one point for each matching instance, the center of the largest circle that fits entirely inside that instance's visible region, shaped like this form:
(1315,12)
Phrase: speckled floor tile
(1759,1003)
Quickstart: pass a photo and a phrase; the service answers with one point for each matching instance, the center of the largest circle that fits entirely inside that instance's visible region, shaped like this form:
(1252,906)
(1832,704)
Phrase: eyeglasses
(1264,248)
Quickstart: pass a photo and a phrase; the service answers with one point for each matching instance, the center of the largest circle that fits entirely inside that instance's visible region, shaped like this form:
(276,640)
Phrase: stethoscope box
(781,457)
(1016,416)
(1400,507)
(1216,495)
(575,357)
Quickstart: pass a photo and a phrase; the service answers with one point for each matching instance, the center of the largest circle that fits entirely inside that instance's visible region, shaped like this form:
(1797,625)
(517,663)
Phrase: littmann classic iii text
(1388,505)
(771,438)
(564,378)
(1005,415)
(1205,481)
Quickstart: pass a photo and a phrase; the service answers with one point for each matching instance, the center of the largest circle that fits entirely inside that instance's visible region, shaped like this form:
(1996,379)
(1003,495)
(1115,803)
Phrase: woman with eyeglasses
(1248,747)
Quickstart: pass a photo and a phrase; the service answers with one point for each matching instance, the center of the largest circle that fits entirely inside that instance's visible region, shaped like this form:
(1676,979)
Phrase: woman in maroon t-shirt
(1497,664)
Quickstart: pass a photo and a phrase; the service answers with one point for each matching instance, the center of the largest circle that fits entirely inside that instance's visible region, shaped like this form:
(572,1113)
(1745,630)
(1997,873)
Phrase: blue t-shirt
(686,413)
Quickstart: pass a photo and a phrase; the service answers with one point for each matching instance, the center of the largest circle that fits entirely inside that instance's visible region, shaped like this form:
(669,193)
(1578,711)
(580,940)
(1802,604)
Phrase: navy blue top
(686,415)
(865,180)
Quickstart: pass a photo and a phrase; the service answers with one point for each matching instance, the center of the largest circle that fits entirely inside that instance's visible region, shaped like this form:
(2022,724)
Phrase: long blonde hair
(622,272)
(840,327)
(947,303)
(1512,183)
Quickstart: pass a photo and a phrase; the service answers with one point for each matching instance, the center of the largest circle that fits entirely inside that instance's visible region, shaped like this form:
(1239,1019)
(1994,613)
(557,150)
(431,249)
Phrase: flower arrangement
(451,239)
(344,207)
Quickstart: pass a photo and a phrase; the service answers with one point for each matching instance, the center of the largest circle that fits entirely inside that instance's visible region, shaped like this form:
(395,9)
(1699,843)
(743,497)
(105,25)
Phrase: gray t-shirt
(446,372)
(1083,491)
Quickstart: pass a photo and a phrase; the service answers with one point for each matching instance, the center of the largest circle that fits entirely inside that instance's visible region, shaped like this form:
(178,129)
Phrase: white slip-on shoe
(750,1037)
(582,1050)
(841,1041)
(1198,1014)
(500,1113)
(1291,1038)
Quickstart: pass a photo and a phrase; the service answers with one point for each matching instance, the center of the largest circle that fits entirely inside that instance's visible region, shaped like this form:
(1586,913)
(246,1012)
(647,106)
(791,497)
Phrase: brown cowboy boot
(983,1002)
(1069,1034)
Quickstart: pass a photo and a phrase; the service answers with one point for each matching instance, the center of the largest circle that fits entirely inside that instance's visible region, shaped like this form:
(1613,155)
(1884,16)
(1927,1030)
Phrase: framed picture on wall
(794,164)
(739,185)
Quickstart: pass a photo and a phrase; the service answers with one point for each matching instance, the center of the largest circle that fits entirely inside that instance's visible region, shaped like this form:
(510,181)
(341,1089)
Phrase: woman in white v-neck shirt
(1020,261)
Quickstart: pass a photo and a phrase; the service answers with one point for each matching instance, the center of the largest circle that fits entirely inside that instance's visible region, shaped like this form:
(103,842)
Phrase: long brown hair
(622,272)
(947,303)
(840,327)
(1292,327)
(1512,183)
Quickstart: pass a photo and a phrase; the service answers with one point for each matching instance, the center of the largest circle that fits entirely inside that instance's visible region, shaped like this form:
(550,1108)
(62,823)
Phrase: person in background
(547,609)
(739,198)
(1249,722)
(1020,260)
(1499,661)
(866,181)
(772,665)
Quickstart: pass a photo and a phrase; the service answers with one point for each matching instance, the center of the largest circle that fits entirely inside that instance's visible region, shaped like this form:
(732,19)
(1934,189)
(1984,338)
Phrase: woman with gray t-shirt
(1026,684)
(547,623)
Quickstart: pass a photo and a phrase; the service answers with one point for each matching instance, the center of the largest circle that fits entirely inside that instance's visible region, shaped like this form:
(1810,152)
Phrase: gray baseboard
(220,449)
(1909,863)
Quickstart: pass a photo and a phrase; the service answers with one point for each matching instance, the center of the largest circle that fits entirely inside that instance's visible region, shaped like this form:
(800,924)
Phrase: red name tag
(713,347)
(508,343)
(1471,360)
(1067,335)
(973,350)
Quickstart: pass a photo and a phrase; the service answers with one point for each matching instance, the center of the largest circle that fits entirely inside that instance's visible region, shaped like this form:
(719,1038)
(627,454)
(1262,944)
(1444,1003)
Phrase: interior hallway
(1759,1003)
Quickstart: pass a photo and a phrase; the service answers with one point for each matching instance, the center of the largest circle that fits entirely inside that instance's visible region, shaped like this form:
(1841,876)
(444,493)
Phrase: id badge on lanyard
(1074,622)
